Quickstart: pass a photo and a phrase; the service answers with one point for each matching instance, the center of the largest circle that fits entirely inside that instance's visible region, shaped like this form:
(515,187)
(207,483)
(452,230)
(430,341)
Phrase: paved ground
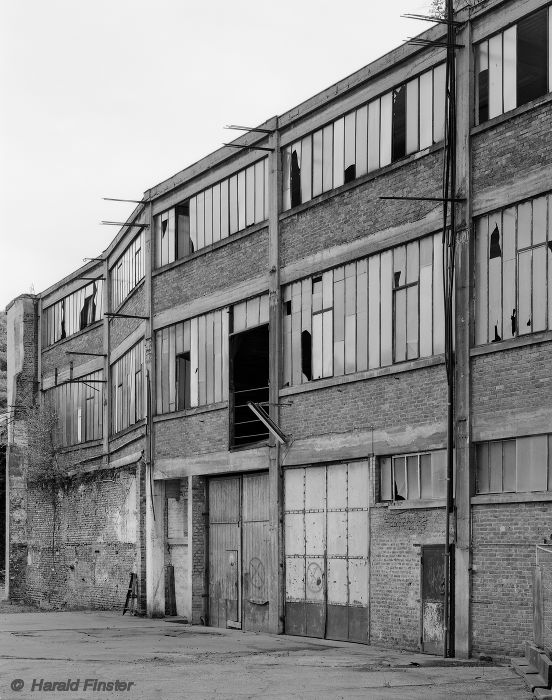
(166,660)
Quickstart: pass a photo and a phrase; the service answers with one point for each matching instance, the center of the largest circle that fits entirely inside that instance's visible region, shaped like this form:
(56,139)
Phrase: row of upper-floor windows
(514,66)
(77,408)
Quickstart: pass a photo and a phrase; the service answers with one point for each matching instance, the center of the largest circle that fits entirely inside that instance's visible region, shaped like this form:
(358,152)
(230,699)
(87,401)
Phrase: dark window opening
(350,173)
(513,319)
(295,180)
(88,312)
(495,251)
(399,123)
(184,244)
(287,305)
(532,57)
(306,355)
(183,381)
(248,383)
(483,96)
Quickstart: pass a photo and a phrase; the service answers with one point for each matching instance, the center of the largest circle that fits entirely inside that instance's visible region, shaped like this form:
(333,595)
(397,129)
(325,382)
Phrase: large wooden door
(433,601)
(326,547)
(239,565)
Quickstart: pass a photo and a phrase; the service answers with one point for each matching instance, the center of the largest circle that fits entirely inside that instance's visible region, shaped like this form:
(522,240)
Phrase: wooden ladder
(132,595)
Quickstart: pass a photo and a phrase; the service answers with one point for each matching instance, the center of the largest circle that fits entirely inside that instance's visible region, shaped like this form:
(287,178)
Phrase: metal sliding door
(326,546)
(239,565)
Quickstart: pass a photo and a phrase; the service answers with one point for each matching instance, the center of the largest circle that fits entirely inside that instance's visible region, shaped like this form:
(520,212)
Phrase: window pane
(509,320)
(412,322)
(374,311)
(224,212)
(339,323)
(439,469)
(373,135)
(531,460)
(495,278)
(385,128)
(327,164)
(438,294)
(482,85)
(233,187)
(426,296)
(532,58)
(400,325)
(327,343)
(216,213)
(338,152)
(241,200)
(361,144)
(524,292)
(350,147)
(385,472)
(296,174)
(412,116)
(439,102)
(250,195)
(350,318)
(539,220)
(509,465)
(317,346)
(208,217)
(412,477)
(399,266)
(426,109)
(539,288)
(399,123)
(386,297)
(510,93)
(259,191)
(495,76)
(201,220)
(306,169)
(286,178)
(495,467)
(362,315)
(316,163)
(524,225)
(426,487)
(400,478)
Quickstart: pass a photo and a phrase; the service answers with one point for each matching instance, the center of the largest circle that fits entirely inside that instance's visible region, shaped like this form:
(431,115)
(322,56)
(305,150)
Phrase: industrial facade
(273,276)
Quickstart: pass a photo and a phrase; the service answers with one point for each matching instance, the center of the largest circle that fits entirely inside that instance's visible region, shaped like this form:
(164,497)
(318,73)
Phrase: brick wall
(191,435)
(93,526)
(504,538)
(121,328)
(199,550)
(240,260)
(55,357)
(395,571)
(389,402)
(514,147)
(357,212)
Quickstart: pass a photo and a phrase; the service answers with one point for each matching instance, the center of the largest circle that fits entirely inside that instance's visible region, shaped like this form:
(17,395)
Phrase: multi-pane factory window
(513,272)
(405,120)
(127,389)
(518,465)
(413,477)
(73,313)
(216,213)
(77,406)
(127,271)
(192,356)
(514,66)
(370,313)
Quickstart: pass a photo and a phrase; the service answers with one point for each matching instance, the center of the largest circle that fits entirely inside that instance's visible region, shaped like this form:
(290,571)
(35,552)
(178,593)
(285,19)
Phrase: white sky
(109,97)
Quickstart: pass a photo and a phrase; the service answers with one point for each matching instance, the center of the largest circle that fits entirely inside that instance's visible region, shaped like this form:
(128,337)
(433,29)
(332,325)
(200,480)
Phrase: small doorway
(432,635)
(239,566)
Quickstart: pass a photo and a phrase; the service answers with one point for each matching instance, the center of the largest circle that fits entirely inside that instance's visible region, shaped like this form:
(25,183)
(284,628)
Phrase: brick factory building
(272,276)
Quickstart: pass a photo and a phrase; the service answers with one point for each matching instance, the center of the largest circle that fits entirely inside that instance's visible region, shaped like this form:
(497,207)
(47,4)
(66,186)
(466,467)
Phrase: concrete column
(155,547)
(22,378)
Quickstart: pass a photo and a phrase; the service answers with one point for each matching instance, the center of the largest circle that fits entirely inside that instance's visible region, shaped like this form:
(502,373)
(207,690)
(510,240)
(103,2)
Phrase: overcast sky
(109,97)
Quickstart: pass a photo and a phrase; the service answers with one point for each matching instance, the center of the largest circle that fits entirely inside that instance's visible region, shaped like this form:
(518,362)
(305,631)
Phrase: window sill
(131,428)
(512,343)
(418,505)
(522,109)
(129,296)
(81,446)
(92,326)
(221,405)
(409,366)
(493,498)
(211,248)
(319,199)
(249,446)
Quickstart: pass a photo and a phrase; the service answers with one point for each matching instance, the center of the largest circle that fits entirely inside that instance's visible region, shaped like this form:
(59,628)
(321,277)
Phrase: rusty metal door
(255,548)
(239,552)
(326,547)
(433,601)
(225,552)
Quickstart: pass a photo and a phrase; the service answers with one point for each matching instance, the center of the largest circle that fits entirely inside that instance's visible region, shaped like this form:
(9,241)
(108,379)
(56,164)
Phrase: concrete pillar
(22,377)
(155,548)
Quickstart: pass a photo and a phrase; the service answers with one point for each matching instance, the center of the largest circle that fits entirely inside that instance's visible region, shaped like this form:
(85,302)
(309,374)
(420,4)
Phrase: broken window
(77,408)
(249,370)
(72,313)
(414,477)
(127,389)
(513,271)
(129,269)
(512,66)
(212,215)
(400,122)
(517,465)
(367,314)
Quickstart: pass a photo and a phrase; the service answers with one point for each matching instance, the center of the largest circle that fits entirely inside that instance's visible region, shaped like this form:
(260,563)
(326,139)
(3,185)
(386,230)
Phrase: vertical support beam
(155,553)
(464,477)
(276,585)
(106,409)
(538,607)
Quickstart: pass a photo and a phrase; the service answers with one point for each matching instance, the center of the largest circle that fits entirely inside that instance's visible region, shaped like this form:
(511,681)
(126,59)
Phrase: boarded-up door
(433,590)
(239,552)
(326,546)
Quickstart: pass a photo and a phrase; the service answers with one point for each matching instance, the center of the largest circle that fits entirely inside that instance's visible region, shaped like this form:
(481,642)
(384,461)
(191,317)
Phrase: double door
(239,548)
